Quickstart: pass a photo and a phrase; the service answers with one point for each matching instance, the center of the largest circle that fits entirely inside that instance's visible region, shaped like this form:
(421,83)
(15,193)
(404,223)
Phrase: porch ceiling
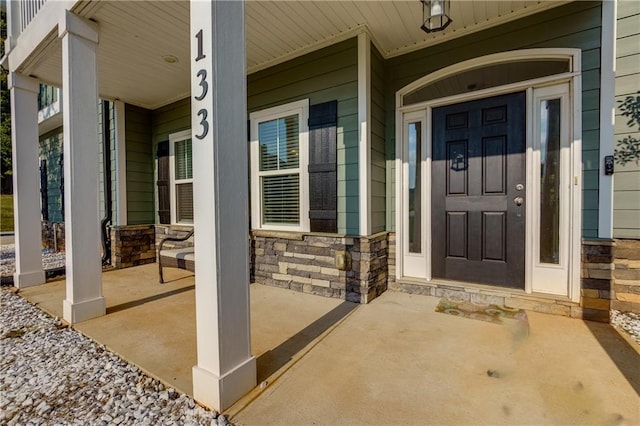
(136,35)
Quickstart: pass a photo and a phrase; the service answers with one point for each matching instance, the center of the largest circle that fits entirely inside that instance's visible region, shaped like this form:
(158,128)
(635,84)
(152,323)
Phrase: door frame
(419,267)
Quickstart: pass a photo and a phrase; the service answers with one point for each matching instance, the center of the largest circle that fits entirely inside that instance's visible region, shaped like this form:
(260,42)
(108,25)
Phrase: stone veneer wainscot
(307,263)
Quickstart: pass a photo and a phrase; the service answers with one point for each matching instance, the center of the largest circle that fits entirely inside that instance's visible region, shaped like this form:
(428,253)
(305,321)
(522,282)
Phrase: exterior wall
(140,177)
(378,163)
(50,150)
(163,231)
(169,119)
(321,76)
(132,245)
(626,283)
(626,198)
(307,263)
(53,236)
(575,25)
(112,148)
(597,279)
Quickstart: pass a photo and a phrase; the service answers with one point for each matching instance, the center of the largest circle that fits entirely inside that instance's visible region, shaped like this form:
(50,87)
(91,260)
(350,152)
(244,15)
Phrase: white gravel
(52,374)
(629,322)
(50,259)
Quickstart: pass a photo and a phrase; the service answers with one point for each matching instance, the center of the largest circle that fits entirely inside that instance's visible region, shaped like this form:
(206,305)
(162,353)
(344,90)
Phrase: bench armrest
(186,237)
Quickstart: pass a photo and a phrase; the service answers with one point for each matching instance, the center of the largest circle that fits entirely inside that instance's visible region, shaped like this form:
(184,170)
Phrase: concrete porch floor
(393,361)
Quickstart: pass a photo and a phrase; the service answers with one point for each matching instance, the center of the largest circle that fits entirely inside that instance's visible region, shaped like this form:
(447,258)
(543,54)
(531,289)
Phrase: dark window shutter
(323,194)
(164,198)
(44,191)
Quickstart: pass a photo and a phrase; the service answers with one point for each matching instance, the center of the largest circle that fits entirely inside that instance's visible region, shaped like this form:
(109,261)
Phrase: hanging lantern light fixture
(435,15)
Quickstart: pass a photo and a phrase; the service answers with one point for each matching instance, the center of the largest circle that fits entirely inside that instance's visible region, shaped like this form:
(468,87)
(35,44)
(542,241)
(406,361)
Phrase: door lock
(518,201)
(519,187)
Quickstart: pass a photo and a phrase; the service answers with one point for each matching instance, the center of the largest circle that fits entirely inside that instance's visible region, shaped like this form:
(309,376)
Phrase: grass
(6,213)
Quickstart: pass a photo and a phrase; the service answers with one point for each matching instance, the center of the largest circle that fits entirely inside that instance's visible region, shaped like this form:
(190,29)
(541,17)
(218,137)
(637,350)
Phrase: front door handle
(518,201)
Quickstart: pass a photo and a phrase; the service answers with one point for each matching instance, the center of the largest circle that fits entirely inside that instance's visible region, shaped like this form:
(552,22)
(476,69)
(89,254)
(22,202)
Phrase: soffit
(135,35)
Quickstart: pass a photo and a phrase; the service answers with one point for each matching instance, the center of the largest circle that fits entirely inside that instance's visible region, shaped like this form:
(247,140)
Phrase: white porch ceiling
(135,35)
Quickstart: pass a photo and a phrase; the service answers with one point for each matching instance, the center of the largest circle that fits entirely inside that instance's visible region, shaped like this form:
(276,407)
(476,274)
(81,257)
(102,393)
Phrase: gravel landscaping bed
(50,259)
(628,322)
(52,374)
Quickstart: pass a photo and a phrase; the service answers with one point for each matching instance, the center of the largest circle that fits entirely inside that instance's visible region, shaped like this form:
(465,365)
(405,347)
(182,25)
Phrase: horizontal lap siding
(172,118)
(378,166)
(140,179)
(576,25)
(112,148)
(50,150)
(51,147)
(325,75)
(626,199)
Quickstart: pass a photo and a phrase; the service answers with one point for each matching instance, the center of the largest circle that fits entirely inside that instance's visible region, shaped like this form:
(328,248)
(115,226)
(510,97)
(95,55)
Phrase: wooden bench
(182,258)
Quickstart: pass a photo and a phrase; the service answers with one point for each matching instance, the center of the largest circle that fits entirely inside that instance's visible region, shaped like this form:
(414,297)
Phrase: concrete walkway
(394,361)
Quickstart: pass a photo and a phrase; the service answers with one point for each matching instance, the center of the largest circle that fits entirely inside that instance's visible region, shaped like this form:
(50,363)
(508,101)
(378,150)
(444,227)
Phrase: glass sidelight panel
(550,113)
(415,188)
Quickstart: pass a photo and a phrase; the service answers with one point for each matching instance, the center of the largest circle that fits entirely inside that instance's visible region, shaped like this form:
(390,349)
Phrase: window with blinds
(182,178)
(279,160)
(279,147)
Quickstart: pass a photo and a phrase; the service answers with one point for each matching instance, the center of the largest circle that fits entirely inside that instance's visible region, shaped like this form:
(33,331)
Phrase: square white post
(26,185)
(226,369)
(84,298)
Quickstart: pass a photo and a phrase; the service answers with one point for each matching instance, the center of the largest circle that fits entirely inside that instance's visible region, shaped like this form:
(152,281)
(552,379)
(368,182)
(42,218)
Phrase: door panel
(478,211)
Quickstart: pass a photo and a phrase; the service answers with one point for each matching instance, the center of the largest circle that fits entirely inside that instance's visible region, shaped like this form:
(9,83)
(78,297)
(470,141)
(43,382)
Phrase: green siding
(50,150)
(626,196)
(140,177)
(112,148)
(171,118)
(321,76)
(378,166)
(167,120)
(51,147)
(575,25)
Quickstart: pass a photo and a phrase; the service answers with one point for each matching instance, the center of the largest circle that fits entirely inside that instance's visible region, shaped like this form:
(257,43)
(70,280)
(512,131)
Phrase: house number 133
(204,86)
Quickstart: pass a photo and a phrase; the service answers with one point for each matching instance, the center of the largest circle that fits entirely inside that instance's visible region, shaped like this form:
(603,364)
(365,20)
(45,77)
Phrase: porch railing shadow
(270,362)
(134,303)
(625,357)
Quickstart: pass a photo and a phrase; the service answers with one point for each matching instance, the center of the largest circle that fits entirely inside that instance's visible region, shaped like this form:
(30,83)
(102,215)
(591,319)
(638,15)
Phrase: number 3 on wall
(204,123)
(202,74)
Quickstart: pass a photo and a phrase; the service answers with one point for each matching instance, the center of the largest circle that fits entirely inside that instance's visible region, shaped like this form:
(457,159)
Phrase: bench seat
(182,258)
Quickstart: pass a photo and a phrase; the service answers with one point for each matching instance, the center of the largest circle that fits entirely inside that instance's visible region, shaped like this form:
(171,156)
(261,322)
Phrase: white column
(607,116)
(226,370)
(364,131)
(81,158)
(26,184)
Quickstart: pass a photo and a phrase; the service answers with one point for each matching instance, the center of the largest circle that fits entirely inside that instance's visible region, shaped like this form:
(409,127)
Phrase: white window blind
(182,178)
(279,162)
(279,150)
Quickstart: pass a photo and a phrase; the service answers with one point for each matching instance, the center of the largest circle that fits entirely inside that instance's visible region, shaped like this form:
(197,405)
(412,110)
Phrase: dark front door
(478,193)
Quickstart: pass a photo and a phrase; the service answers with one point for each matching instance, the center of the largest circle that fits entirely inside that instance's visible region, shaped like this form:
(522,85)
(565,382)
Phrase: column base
(82,311)
(28,279)
(220,393)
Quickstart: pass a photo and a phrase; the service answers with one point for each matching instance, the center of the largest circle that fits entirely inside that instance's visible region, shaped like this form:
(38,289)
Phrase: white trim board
(607,116)
(173,138)
(364,132)
(301,108)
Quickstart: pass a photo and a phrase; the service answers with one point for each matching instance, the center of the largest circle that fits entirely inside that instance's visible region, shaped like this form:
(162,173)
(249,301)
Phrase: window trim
(301,108)
(173,139)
